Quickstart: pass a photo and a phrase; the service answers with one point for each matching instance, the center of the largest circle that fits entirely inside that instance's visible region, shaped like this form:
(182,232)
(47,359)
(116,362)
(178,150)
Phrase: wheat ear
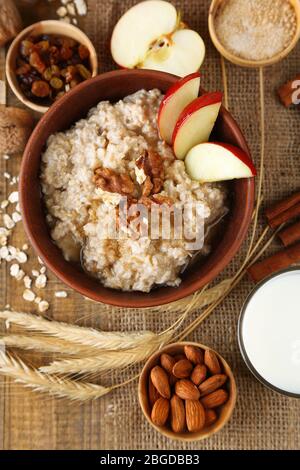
(107,360)
(79,334)
(46,345)
(56,386)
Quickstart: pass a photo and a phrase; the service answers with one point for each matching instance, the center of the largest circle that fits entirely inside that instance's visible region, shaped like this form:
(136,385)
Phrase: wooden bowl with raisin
(187,391)
(46,60)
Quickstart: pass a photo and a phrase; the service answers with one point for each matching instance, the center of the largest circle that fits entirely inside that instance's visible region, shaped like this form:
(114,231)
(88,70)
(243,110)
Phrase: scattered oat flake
(14,270)
(13,197)
(18,208)
(65,19)
(21,257)
(27,282)
(81,7)
(43,306)
(40,260)
(16,216)
(37,300)
(43,269)
(61,11)
(25,247)
(28,295)
(41,281)
(8,222)
(20,275)
(6,175)
(61,294)
(71,9)
(12,250)
(74,21)
(35,273)
(4,204)
(4,252)
(6,157)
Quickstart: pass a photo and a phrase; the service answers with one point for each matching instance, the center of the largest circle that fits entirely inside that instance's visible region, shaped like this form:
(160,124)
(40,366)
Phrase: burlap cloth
(262,419)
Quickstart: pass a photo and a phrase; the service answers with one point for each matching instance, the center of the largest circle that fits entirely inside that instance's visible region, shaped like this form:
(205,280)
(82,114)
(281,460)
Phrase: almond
(213,383)
(186,390)
(177,414)
(210,417)
(199,374)
(152,393)
(193,354)
(160,381)
(217,398)
(182,369)
(160,411)
(212,362)
(167,362)
(195,415)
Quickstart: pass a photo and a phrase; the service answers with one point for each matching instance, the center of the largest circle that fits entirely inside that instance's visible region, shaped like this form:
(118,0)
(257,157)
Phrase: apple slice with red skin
(216,161)
(195,123)
(176,99)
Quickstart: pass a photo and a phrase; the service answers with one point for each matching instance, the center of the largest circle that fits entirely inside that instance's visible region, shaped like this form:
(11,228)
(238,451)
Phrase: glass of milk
(269,332)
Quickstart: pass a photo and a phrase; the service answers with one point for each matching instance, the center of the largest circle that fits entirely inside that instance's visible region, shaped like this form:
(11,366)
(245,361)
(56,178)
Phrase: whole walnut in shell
(10,21)
(15,128)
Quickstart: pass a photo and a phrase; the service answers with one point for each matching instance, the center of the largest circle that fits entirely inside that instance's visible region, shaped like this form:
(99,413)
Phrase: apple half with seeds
(176,99)
(150,35)
(195,123)
(216,161)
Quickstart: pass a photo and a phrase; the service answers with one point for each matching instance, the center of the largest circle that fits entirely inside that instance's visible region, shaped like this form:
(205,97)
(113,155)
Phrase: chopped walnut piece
(147,187)
(152,165)
(109,180)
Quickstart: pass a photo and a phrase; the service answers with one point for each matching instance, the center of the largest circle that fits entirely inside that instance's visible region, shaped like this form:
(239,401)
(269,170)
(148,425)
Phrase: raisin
(23,69)
(36,62)
(42,46)
(74,82)
(66,53)
(84,72)
(26,47)
(83,52)
(40,88)
(69,73)
(54,55)
(56,83)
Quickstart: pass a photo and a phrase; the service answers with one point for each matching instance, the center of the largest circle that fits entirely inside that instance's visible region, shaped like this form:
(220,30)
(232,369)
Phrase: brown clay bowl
(224,412)
(61,115)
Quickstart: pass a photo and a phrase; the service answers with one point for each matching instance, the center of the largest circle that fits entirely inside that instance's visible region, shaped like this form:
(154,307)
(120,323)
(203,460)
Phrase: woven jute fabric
(262,419)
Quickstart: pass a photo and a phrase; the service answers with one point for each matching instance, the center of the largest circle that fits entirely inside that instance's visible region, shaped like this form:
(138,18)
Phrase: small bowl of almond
(187,391)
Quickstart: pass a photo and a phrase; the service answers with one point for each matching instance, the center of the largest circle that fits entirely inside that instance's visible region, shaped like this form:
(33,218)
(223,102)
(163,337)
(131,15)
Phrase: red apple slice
(195,123)
(176,99)
(215,161)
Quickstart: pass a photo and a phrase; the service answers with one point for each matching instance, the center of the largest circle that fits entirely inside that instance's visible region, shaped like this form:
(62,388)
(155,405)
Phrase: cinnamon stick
(282,206)
(280,260)
(285,216)
(290,235)
(286,91)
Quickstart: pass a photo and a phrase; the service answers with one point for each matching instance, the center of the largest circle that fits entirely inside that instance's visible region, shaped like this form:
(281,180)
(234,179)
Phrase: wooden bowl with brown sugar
(187,391)
(229,55)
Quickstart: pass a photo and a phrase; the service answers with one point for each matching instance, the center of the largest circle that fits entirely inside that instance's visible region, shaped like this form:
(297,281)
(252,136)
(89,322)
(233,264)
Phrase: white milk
(271,331)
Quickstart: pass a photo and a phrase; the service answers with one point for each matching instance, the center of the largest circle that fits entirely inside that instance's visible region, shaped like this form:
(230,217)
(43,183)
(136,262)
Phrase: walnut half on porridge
(110,181)
(84,176)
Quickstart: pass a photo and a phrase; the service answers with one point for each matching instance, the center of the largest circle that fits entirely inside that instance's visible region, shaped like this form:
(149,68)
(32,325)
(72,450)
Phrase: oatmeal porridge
(116,154)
